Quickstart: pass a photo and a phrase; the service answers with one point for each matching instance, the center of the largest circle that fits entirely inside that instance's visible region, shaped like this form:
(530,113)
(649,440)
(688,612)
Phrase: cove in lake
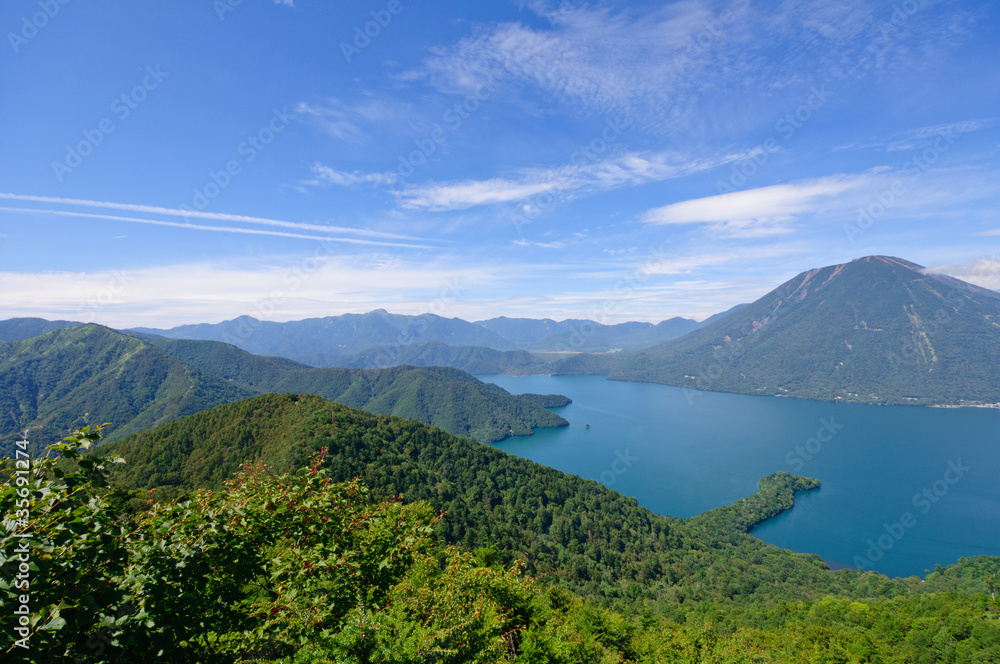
(904,488)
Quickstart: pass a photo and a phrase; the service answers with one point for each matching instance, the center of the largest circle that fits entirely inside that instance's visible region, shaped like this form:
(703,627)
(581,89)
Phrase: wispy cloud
(921,137)
(565,181)
(756,212)
(175,294)
(675,67)
(334,118)
(326,175)
(558,244)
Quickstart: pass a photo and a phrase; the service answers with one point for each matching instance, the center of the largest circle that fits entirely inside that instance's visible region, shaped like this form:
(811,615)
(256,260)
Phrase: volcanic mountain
(876,330)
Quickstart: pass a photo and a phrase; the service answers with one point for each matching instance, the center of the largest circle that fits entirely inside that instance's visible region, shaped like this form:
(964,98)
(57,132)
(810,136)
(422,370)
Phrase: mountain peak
(889,260)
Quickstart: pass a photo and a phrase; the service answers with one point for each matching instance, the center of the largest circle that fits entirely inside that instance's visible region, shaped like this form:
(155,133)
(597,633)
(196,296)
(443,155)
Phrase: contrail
(220,229)
(217,216)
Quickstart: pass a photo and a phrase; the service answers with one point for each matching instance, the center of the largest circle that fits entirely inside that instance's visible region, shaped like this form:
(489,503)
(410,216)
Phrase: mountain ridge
(878,329)
(69,377)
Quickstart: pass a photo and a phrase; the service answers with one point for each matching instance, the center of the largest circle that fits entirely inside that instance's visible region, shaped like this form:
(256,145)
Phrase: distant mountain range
(72,376)
(380,339)
(876,330)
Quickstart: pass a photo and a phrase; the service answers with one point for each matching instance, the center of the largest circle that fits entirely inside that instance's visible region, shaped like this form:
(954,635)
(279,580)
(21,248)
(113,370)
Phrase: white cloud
(674,68)
(172,295)
(541,245)
(921,137)
(983,271)
(287,3)
(331,176)
(759,212)
(334,118)
(563,182)
(461,195)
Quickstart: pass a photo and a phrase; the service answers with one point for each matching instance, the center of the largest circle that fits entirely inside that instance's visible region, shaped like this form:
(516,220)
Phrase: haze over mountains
(875,330)
(348,340)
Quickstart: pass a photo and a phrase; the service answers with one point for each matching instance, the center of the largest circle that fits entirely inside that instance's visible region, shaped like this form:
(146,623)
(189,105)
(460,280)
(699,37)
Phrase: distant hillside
(380,339)
(330,341)
(473,359)
(876,330)
(586,335)
(66,378)
(69,377)
(15,329)
(573,531)
(451,399)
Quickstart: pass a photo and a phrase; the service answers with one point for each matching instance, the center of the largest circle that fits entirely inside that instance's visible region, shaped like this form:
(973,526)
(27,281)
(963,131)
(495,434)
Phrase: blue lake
(904,488)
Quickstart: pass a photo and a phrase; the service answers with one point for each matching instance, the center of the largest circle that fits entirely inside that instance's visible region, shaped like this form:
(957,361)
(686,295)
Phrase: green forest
(69,377)
(287,528)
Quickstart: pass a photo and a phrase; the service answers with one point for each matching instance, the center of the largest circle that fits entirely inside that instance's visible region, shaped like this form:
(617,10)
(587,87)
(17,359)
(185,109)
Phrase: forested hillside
(589,538)
(295,567)
(449,398)
(66,378)
(52,383)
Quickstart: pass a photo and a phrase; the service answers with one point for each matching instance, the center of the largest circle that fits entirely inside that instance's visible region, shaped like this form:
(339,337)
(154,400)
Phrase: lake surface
(904,488)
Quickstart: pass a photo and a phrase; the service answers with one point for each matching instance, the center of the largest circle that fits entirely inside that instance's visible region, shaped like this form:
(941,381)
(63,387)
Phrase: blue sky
(167,163)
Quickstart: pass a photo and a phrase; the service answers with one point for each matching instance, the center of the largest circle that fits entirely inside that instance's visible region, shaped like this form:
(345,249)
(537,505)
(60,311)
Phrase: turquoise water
(680,453)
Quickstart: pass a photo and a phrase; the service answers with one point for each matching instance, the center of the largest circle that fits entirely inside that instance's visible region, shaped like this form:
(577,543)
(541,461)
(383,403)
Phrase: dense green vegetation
(573,532)
(63,379)
(60,380)
(473,359)
(876,330)
(449,398)
(15,329)
(296,567)
(548,400)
